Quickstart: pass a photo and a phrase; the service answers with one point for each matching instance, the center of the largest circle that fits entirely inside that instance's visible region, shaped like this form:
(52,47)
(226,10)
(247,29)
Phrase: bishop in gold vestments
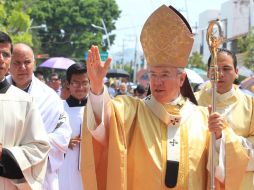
(136,154)
(156,143)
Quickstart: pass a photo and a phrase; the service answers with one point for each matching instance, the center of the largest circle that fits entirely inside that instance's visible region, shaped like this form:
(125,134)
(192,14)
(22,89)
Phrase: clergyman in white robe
(23,135)
(56,124)
(69,173)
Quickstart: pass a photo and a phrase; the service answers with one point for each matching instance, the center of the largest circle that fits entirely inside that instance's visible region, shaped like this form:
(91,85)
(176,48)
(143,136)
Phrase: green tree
(69,31)
(15,20)
(196,61)
(246,44)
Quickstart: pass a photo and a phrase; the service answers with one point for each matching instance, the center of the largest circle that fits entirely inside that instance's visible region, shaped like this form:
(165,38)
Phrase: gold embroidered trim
(164,151)
(183,180)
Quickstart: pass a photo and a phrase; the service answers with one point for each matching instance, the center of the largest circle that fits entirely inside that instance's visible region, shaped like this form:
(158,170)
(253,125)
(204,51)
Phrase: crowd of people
(115,86)
(94,133)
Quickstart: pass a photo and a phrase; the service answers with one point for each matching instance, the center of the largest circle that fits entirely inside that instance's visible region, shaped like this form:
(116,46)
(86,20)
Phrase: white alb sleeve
(96,107)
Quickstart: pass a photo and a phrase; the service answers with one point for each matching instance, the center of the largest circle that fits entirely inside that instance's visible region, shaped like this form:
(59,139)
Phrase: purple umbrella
(57,63)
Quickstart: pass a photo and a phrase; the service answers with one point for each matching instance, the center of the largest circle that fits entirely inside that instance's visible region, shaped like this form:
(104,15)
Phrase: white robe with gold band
(237,140)
(133,154)
(22,132)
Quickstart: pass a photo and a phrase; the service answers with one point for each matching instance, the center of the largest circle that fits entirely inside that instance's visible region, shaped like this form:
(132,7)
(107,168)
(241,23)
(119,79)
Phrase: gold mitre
(166,38)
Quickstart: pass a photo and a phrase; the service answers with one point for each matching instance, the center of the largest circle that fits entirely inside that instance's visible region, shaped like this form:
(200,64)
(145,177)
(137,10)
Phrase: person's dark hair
(187,91)
(140,89)
(38,72)
(5,39)
(148,91)
(54,75)
(75,69)
(226,51)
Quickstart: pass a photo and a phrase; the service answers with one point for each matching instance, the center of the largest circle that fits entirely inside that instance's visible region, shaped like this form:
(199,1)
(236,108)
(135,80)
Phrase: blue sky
(135,12)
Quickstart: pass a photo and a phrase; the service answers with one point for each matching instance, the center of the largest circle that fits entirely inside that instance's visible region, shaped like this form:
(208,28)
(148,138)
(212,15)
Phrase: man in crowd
(237,108)
(122,89)
(24,143)
(55,83)
(39,74)
(50,106)
(78,85)
(153,143)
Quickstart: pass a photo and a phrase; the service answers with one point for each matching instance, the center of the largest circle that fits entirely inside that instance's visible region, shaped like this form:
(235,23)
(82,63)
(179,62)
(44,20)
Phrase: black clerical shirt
(4,86)
(74,102)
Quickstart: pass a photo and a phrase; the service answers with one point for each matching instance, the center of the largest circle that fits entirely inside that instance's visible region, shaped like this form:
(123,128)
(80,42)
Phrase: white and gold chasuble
(237,108)
(136,154)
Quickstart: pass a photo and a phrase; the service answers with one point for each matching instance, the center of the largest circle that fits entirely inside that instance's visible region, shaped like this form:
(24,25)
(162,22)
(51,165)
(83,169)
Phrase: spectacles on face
(164,76)
(5,55)
(54,79)
(77,84)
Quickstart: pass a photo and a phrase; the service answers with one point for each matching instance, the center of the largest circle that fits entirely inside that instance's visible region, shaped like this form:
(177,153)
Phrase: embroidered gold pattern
(165,38)
(183,180)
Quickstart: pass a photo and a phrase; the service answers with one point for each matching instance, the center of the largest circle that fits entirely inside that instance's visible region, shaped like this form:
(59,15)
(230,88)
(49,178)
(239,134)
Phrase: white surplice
(23,134)
(59,131)
(69,174)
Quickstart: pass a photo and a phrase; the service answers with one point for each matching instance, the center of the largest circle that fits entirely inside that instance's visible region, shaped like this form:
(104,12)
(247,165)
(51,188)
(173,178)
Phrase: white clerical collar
(226,95)
(175,101)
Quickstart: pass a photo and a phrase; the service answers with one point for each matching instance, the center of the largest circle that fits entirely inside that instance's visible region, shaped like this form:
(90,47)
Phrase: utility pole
(251,15)
(135,61)
(225,31)
(195,28)
(104,28)
(186,9)
(106,32)
(122,61)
